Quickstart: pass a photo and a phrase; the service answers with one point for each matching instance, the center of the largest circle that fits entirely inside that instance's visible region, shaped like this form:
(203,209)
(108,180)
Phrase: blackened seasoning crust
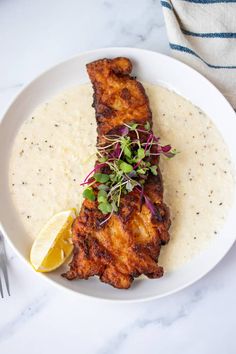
(129,243)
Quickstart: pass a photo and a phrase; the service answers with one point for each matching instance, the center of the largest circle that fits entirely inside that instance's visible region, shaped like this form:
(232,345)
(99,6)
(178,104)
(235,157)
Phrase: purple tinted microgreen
(97,167)
(148,143)
(142,131)
(150,205)
(128,161)
(169,154)
(156,139)
(123,130)
(89,182)
(116,152)
(166,148)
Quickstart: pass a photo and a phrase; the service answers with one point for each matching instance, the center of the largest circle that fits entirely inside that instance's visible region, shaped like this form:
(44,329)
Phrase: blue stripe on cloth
(210,1)
(210,35)
(180,48)
(166,4)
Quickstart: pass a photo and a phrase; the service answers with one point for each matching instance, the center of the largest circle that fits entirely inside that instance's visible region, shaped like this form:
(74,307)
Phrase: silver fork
(3,266)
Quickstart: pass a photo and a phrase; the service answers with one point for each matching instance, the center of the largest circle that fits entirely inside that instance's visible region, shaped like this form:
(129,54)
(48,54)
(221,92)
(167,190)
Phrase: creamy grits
(55,149)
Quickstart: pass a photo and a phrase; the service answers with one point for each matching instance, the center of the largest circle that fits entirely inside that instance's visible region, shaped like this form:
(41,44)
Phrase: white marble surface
(39,318)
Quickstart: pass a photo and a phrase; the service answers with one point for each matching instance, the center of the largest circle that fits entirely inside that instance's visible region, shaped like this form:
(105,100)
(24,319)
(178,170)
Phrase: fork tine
(4,270)
(1,291)
(3,263)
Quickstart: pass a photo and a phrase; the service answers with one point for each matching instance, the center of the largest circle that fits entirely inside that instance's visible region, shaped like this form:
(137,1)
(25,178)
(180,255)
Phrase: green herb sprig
(129,157)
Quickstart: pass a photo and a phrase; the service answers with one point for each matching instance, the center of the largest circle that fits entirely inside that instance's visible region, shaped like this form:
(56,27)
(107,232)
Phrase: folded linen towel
(202,33)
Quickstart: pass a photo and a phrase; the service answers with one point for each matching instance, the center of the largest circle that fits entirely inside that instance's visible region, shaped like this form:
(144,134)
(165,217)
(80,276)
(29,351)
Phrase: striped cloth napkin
(202,33)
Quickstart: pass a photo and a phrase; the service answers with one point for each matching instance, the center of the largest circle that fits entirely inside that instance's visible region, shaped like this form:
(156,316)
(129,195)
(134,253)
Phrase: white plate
(149,67)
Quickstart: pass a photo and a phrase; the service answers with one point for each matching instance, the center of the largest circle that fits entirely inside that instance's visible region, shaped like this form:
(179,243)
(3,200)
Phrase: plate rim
(44,72)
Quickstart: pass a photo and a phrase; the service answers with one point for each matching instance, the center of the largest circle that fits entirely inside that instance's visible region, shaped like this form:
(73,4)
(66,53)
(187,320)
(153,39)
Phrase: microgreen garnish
(147,126)
(153,169)
(89,194)
(101,177)
(125,160)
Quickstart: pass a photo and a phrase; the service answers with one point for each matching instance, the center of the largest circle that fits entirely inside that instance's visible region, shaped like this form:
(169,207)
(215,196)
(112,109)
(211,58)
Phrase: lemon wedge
(53,244)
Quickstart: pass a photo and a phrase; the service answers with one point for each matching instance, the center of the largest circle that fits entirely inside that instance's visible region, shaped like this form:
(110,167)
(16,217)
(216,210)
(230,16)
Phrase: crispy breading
(129,243)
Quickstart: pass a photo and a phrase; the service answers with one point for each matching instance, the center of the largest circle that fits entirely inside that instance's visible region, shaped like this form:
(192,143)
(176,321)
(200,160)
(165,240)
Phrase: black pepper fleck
(56,125)
(197,213)
(220,203)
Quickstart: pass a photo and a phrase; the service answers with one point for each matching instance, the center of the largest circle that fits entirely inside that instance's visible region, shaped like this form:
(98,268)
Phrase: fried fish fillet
(129,243)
